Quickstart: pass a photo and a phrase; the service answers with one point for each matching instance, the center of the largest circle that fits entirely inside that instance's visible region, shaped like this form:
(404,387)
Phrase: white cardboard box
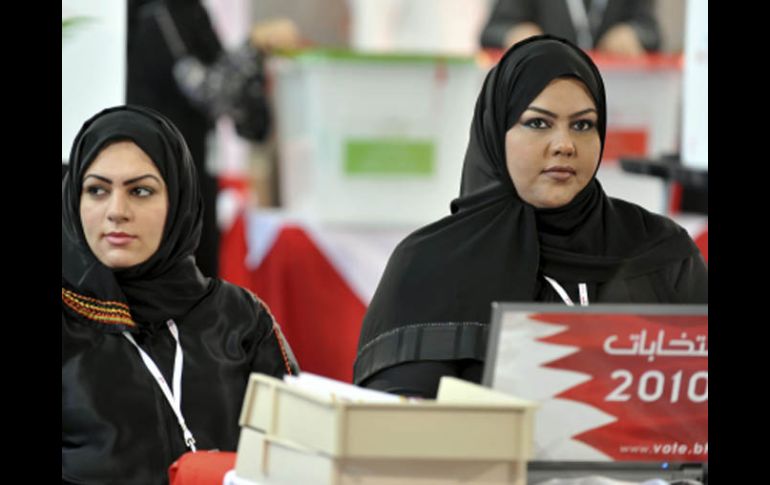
(269,461)
(484,432)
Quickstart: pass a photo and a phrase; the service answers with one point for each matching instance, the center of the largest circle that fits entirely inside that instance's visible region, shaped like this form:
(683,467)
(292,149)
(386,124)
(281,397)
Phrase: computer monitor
(622,388)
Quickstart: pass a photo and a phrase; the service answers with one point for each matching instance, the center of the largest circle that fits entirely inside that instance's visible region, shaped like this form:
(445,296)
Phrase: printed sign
(611,386)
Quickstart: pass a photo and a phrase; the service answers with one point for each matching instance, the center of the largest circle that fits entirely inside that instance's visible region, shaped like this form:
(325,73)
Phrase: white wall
(93,73)
(695,118)
(431,26)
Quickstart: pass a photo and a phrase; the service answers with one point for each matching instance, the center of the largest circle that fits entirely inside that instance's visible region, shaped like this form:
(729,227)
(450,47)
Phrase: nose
(118,209)
(563,145)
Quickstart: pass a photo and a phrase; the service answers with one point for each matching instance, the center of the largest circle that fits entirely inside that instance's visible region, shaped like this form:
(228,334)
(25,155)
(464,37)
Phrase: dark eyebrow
(554,115)
(136,179)
(127,182)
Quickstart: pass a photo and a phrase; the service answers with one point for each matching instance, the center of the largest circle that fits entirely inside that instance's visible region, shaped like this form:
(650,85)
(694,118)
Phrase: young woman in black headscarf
(532,223)
(155,356)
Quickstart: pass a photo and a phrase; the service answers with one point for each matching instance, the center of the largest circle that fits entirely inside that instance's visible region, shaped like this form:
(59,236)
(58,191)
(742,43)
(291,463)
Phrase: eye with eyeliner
(95,190)
(536,123)
(143,191)
(584,125)
(542,123)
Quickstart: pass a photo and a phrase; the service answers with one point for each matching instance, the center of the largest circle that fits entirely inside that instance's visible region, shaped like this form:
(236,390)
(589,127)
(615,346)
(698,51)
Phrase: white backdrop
(93,63)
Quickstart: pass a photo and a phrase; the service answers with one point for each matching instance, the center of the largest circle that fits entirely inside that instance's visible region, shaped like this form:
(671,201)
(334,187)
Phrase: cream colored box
(466,423)
(270,461)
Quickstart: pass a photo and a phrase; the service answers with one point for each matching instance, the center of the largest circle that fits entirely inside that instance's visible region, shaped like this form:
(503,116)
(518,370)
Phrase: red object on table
(201,468)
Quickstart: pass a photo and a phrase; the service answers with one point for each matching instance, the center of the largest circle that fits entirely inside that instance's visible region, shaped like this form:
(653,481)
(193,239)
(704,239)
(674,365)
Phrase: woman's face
(553,150)
(123,206)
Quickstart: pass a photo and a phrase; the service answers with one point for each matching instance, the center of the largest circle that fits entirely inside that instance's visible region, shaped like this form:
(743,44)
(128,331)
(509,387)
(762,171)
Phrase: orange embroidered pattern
(279,336)
(109,312)
(276,331)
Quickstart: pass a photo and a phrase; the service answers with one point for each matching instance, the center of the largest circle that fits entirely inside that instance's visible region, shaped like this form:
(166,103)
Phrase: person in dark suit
(623,27)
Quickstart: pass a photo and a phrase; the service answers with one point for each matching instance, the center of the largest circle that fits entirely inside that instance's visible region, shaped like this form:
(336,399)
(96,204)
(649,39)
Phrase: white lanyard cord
(174,398)
(583,290)
(582,287)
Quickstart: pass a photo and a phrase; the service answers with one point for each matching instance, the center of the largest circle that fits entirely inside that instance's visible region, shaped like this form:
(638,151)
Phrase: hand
(275,34)
(521,32)
(621,40)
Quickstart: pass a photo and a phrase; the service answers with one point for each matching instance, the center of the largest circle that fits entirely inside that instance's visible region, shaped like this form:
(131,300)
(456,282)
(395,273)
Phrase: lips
(119,238)
(560,168)
(560,172)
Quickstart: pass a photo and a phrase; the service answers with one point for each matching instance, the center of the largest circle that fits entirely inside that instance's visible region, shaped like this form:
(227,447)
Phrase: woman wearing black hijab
(155,356)
(532,223)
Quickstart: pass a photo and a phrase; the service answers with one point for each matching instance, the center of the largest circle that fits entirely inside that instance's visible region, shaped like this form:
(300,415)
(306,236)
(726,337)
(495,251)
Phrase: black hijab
(169,283)
(433,301)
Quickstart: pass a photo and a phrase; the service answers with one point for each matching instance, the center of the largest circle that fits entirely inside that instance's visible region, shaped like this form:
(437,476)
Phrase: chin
(554,202)
(121,261)
(120,264)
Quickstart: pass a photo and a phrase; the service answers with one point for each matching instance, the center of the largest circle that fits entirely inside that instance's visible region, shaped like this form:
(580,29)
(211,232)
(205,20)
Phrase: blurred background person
(177,65)
(621,27)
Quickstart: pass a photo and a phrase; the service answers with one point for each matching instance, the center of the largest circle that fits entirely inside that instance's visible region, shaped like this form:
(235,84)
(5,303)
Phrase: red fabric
(201,468)
(233,246)
(233,249)
(702,241)
(318,312)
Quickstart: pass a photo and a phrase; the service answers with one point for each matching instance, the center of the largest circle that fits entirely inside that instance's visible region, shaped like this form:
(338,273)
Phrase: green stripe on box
(392,156)
(323,54)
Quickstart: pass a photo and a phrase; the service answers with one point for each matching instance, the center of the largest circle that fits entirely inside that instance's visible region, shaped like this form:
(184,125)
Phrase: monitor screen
(625,383)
